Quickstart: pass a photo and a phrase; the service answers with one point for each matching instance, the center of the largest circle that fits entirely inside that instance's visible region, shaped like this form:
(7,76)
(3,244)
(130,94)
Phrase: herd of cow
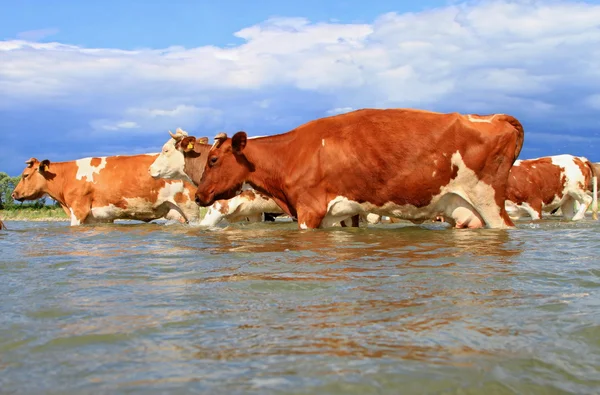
(400,163)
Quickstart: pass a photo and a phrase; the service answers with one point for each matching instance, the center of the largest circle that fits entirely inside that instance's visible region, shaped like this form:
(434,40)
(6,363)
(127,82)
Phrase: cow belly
(465,201)
(136,208)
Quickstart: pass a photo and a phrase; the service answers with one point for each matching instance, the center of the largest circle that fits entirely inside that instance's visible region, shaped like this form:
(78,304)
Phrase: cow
(405,163)
(549,183)
(103,189)
(2,226)
(184,157)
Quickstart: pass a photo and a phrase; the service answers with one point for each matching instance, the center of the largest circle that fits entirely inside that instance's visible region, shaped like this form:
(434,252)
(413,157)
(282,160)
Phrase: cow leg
(257,217)
(355,221)
(270,217)
(567,208)
(176,215)
(309,218)
(534,210)
(217,212)
(79,214)
(373,218)
(584,200)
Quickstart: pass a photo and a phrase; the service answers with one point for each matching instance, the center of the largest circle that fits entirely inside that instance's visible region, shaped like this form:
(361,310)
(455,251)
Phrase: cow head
(170,163)
(34,180)
(226,169)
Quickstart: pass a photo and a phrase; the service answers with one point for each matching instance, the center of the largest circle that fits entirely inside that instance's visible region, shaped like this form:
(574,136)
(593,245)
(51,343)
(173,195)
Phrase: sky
(97,78)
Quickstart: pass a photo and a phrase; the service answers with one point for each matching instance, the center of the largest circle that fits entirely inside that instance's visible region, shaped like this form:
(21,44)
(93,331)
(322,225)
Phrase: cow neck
(194,162)
(268,156)
(56,186)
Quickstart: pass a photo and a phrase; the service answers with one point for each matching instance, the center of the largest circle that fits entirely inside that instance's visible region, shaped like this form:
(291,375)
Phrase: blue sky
(102,78)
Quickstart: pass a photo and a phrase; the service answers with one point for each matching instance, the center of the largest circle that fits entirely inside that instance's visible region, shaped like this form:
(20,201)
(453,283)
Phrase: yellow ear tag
(190,146)
(43,167)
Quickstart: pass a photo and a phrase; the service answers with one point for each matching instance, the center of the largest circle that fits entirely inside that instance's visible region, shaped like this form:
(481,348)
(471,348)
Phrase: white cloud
(158,119)
(536,58)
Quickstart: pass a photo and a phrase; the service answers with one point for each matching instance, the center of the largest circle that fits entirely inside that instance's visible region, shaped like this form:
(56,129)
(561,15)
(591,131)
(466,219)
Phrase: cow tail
(520,133)
(594,190)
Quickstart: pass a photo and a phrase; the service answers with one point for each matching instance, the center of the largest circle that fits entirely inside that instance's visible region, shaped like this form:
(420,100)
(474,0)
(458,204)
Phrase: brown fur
(124,177)
(2,226)
(374,156)
(95,162)
(195,159)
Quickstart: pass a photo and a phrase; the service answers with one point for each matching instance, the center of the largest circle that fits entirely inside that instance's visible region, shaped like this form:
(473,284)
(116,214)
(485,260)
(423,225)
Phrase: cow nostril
(198,202)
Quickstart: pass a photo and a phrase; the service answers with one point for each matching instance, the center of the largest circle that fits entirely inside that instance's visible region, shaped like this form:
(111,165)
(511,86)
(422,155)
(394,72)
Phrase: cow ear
(44,166)
(238,142)
(202,140)
(30,162)
(187,143)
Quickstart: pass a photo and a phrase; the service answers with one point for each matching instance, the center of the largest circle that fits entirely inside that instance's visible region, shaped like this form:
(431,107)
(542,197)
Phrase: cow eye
(213,160)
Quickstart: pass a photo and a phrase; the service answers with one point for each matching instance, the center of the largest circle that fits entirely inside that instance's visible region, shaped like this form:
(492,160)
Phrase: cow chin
(207,199)
(230,193)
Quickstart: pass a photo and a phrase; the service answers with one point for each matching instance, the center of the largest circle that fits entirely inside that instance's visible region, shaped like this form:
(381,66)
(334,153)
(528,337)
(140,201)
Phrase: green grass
(47,213)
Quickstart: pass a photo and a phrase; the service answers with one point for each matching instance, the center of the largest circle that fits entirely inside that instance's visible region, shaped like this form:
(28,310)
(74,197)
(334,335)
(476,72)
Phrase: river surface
(268,309)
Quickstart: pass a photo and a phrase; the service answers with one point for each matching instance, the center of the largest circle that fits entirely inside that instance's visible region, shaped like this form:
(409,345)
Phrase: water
(268,309)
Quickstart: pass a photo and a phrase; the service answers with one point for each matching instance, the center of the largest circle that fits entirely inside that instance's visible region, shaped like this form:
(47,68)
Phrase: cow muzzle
(203,199)
(153,173)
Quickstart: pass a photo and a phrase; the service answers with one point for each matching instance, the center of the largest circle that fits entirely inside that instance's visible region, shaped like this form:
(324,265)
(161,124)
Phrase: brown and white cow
(548,183)
(183,157)
(404,163)
(103,189)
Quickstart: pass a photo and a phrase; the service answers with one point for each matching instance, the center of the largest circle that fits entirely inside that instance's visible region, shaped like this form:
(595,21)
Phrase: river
(268,309)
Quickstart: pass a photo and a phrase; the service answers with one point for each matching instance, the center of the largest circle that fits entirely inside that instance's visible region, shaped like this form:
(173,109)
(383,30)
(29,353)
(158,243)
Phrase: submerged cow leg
(310,218)
(584,201)
(79,212)
(216,213)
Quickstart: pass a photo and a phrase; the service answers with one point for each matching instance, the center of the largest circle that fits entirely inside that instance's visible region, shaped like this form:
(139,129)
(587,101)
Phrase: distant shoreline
(45,214)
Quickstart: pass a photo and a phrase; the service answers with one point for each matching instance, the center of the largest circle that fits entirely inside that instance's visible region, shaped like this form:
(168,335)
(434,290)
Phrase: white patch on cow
(323,142)
(303,225)
(433,174)
(464,198)
(106,212)
(245,207)
(517,162)
(74,220)
(85,168)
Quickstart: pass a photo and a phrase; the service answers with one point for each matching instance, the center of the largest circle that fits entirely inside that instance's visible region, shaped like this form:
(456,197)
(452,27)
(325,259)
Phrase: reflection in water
(265,307)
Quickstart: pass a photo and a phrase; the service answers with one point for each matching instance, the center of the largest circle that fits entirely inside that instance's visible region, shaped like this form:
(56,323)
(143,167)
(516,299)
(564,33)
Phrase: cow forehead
(169,144)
